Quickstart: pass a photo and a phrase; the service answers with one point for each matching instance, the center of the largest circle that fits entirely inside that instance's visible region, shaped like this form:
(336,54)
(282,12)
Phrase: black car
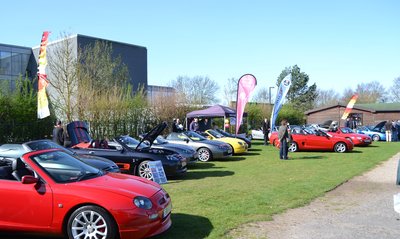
(17,150)
(239,136)
(130,160)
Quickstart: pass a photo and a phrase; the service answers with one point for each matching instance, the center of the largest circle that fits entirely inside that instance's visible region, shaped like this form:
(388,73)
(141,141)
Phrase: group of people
(195,125)
(392,130)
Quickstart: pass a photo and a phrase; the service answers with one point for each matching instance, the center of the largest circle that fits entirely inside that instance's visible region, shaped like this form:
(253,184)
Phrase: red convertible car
(358,139)
(312,140)
(52,192)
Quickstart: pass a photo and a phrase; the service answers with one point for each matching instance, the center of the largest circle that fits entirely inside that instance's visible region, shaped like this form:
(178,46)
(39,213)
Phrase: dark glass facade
(14,62)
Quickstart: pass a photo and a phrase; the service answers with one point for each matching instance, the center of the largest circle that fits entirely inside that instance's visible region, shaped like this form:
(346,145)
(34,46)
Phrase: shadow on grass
(190,175)
(202,165)
(355,152)
(254,150)
(187,226)
(248,153)
(231,159)
(308,157)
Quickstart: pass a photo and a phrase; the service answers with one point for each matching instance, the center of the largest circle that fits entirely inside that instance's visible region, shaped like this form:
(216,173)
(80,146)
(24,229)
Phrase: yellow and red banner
(43,102)
(349,106)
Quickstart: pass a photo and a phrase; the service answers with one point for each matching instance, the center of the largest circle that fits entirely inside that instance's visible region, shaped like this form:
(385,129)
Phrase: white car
(257,134)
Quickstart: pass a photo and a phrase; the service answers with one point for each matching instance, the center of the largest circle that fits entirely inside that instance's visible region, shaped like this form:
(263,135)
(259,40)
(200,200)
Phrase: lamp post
(269,91)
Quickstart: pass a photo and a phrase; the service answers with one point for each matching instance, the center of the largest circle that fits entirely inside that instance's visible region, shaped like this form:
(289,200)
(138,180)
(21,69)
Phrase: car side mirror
(29,179)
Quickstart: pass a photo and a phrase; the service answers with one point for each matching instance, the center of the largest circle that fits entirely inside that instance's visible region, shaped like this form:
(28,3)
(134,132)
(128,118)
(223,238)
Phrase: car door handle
(91,152)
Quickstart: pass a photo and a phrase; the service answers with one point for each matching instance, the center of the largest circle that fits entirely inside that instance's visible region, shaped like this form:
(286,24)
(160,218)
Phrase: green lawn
(217,196)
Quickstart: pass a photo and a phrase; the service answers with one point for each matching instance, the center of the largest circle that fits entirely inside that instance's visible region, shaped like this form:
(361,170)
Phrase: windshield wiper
(88,175)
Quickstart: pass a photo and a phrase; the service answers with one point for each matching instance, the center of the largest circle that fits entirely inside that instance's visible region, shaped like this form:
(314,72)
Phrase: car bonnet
(122,184)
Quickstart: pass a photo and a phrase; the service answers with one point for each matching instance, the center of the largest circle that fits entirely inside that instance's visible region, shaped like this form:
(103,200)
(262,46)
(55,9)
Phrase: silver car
(206,149)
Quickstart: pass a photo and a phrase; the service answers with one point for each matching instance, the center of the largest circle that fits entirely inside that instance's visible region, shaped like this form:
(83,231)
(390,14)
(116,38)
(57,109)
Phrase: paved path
(360,208)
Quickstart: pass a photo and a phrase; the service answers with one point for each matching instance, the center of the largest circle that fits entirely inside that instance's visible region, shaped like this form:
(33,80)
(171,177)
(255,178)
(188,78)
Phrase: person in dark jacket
(58,133)
(265,128)
(284,137)
(194,126)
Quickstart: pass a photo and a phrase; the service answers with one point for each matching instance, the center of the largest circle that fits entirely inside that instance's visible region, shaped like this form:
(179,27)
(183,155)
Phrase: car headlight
(142,202)
(240,143)
(358,137)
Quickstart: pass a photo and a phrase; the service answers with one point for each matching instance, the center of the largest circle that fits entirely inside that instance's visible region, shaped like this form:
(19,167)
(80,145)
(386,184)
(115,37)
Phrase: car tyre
(144,171)
(376,137)
(293,147)
(340,147)
(204,154)
(91,222)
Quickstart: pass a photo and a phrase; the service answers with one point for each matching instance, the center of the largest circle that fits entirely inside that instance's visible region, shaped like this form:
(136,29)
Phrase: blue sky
(337,43)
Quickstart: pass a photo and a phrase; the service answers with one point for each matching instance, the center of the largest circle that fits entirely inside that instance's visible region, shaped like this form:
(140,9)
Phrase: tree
(300,95)
(372,92)
(230,90)
(262,95)
(326,97)
(395,90)
(198,90)
(63,79)
(18,115)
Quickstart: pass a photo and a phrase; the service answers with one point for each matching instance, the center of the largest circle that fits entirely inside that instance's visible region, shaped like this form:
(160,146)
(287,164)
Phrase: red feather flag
(349,106)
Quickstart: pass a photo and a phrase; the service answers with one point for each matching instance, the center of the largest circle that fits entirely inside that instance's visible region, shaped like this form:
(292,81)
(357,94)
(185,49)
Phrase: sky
(339,44)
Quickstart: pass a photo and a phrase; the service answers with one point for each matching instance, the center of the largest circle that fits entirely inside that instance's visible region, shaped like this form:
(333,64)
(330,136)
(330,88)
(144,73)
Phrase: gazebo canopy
(213,112)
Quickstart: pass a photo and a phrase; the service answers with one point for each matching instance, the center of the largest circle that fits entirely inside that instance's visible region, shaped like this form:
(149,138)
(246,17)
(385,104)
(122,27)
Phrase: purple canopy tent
(216,111)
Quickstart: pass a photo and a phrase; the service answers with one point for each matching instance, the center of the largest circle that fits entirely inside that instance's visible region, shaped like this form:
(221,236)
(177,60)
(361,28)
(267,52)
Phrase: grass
(217,196)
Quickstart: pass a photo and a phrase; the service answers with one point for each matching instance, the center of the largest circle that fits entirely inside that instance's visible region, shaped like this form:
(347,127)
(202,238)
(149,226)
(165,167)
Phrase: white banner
(280,97)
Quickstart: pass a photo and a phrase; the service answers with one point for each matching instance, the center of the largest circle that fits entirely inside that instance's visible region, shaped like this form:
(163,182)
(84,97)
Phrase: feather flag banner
(280,96)
(350,106)
(246,85)
(43,103)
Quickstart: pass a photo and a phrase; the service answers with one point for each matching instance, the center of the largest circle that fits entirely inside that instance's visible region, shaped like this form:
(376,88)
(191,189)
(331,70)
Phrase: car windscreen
(40,145)
(195,136)
(215,134)
(131,142)
(64,168)
(160,140)
(347,130)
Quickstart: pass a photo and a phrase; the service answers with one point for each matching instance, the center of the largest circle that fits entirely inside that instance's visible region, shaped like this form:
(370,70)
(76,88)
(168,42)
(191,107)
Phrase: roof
(213,111)
(373,108)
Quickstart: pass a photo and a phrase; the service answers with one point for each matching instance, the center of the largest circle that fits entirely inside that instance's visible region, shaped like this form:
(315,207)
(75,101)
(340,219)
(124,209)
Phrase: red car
(51,192)
(358,139)
(312,140)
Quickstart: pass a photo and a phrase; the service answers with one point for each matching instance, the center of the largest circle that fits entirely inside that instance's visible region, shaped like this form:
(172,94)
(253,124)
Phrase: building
(364,114)
(15,61)
(156,93)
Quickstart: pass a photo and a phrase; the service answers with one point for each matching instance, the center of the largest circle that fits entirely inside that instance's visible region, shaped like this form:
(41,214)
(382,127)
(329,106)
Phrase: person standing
(283,136)
(266,129)
(194,126)
(388,131)
(177,126)
(394,131)
(58,133)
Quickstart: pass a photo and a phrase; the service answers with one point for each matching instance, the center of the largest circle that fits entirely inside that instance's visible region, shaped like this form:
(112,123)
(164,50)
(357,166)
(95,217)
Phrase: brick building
(365,114)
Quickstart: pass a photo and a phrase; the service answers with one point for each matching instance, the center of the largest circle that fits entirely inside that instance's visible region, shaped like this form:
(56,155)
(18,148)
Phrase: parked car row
(80,192)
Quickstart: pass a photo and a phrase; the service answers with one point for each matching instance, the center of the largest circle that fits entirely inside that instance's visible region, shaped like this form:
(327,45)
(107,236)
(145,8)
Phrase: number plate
(367,141)
(167,210)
